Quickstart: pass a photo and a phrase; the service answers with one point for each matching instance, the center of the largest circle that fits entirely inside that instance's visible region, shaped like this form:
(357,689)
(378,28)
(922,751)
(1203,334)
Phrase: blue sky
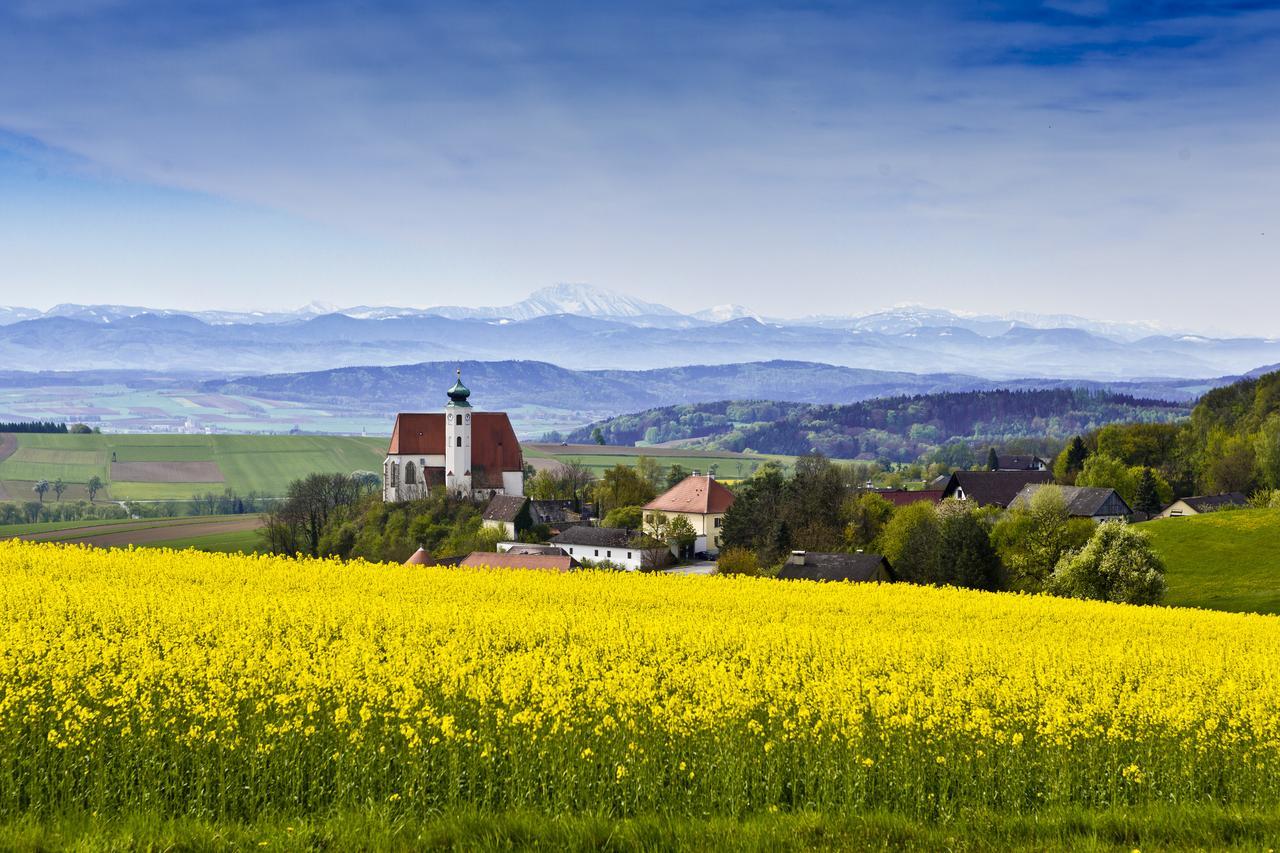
(1120,160)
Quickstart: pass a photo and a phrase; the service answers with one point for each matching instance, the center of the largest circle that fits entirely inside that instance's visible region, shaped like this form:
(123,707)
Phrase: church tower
(457,439)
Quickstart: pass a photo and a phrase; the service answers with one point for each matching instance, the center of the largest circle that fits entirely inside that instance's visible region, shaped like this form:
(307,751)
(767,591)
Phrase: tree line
(892,429)
(33,426)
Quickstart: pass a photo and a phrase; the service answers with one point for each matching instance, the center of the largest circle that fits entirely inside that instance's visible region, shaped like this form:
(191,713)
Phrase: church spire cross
(459,393)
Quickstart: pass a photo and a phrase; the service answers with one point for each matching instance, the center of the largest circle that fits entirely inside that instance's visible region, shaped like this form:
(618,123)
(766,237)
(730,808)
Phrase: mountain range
(577,326)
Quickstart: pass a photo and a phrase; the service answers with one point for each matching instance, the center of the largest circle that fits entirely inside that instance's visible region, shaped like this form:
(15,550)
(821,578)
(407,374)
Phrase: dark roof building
(554,514)
(815,566)
(505,508)
(595,537)
(991,488)
(902,497)
(1013,462)
(1100,504)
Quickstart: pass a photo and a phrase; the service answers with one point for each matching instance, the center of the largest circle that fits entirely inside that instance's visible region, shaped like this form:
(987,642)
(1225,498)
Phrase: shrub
(738,561)
(1117,564)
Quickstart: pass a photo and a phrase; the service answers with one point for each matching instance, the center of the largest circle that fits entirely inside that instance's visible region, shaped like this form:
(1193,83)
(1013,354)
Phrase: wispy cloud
(1030,155)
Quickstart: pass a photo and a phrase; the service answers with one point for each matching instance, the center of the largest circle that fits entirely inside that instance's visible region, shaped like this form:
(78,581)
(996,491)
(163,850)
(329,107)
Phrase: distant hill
(900,428)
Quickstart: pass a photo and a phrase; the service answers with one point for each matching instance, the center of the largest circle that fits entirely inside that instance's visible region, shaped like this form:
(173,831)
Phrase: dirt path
(8,446)
(147,530)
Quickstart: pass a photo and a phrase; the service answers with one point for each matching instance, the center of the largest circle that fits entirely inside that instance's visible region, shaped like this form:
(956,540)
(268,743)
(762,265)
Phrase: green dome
(459,393)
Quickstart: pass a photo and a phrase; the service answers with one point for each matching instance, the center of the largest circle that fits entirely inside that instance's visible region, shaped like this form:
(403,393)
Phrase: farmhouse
(701,500)
(1203,503)
(514,514)
(459,451)
(816,566)
(611,545)
(1095,503)
(1006,462)
(991,488)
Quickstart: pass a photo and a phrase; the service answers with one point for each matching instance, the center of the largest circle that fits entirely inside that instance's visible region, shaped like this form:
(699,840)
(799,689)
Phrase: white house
(610,545)
(466,453)
(701,500)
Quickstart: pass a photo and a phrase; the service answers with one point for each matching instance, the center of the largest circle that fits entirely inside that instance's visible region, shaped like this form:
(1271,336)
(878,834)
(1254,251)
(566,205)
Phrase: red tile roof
(540,562)
(494,446)
(699,493)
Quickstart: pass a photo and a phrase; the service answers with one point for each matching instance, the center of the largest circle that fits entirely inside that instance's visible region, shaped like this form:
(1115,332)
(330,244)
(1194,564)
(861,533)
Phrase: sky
(1119,160)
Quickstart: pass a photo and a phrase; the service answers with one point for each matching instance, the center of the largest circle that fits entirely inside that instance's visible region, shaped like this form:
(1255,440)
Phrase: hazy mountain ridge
(184,343)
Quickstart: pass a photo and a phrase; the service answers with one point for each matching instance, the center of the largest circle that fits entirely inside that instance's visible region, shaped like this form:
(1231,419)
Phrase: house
(1203,503)
(611,545)
(701,500)
(512,560)
(1092,502)
(902,497)
(820,566)
(991,488)
(508,514)
(1005,462)
(513,514)
(465,453)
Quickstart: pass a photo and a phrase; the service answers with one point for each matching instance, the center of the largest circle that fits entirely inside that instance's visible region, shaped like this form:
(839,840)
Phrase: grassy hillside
(1222,560)
(164,467)
(725,464)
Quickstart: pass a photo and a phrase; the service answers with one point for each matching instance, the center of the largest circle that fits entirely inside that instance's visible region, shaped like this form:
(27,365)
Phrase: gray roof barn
(1082,501)
(595,537)
(823,566)
(504,508)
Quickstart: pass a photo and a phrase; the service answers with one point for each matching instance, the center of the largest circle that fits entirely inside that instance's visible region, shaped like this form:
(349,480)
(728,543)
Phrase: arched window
(409,476)
(394,473)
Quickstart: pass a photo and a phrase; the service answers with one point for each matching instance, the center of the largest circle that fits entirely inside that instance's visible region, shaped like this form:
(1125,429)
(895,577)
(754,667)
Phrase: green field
(263,464)
(1221,560)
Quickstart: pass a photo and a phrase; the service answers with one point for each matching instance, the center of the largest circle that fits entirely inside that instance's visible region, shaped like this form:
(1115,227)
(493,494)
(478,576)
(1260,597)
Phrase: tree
(58,488)
(40,488)
(621,486)
(911,543)
(1108,472)
(676,475)
(1070,461)
(738,561)
(1147,497)
(649,470)
(864,516)
(966,555)
(1031,541)
(597,435)
(626,517)
(1230,464)
(1118,564)
(93,487)
(993,460)
(79,429)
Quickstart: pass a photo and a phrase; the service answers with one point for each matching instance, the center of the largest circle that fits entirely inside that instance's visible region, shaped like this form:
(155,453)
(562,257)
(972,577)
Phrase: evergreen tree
(966,555)
(993,460)
(1076,454)
(1147,498)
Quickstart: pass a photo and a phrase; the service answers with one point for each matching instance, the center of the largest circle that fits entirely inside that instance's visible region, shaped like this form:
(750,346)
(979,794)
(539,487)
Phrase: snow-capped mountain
(581,300)
(724,313)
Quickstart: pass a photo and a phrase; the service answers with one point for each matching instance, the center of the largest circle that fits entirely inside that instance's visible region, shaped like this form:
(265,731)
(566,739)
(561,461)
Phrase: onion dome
(459,393)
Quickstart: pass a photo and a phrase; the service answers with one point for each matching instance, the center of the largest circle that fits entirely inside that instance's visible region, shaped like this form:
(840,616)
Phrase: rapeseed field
(236,687)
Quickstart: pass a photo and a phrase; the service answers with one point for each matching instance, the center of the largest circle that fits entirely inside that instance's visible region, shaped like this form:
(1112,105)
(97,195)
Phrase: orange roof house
(701,500)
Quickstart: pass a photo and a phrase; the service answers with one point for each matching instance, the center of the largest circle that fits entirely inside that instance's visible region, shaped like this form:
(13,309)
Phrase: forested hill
(897,428)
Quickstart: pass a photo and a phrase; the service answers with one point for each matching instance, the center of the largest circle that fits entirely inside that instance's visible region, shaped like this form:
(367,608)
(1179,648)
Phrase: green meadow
(1221,560)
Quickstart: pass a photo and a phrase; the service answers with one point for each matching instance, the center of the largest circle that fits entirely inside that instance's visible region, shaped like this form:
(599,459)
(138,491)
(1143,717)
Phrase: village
(476,456)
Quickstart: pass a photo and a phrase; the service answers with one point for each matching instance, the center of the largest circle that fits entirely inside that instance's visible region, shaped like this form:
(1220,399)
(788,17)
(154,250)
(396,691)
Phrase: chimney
(797,558)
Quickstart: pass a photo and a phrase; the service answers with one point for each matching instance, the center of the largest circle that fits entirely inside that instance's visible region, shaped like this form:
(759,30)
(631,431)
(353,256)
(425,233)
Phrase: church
(465,453)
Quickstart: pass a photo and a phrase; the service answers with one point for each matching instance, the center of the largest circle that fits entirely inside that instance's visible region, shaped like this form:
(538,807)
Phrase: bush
(625,517)
(738,561)
(1117,564)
